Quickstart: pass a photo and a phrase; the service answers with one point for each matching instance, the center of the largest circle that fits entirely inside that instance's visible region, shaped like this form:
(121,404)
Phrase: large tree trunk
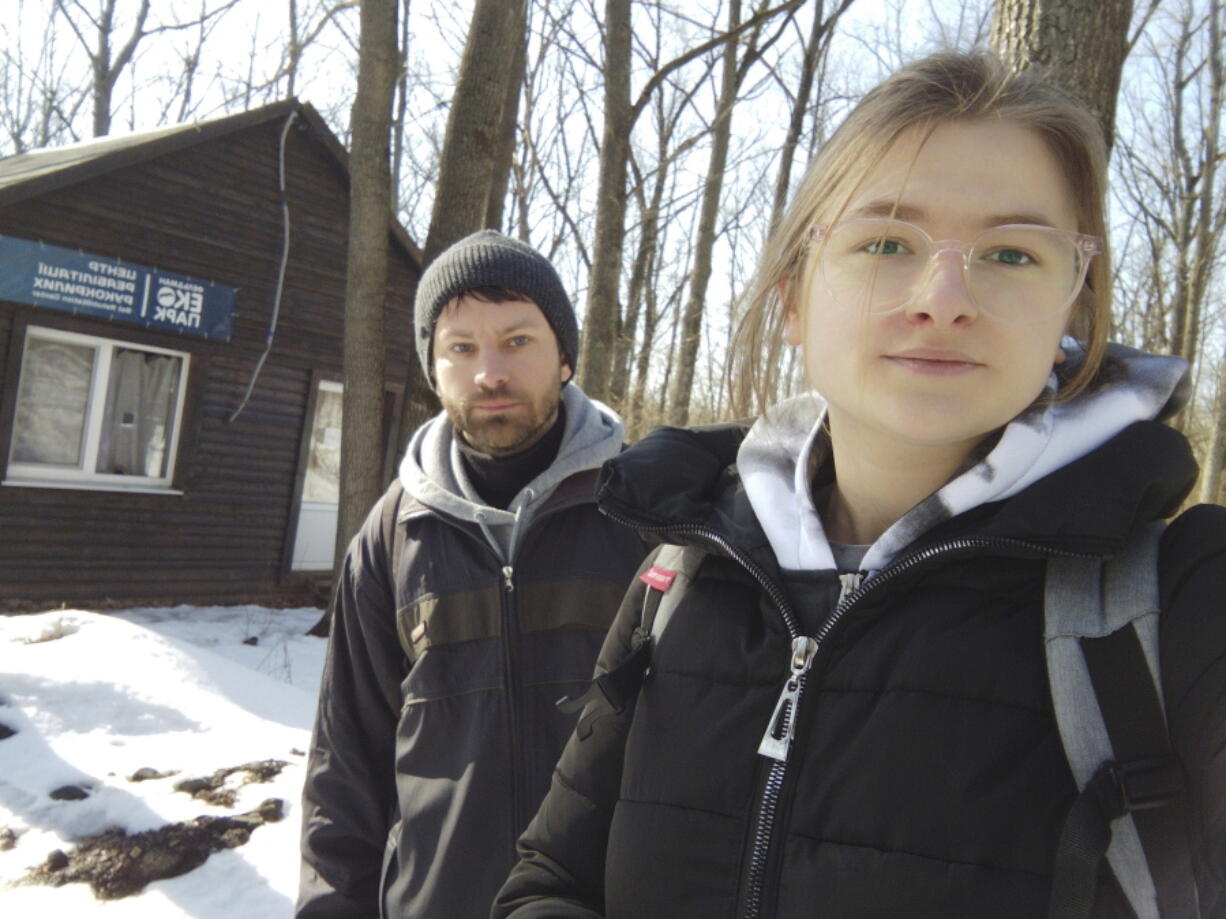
(370,213)
(472,155)
(600,316)
(691,322)
(508,128)
(1082,42)
(475,158)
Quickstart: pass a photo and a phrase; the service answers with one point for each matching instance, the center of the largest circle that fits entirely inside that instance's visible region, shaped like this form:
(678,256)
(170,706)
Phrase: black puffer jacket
(927,778)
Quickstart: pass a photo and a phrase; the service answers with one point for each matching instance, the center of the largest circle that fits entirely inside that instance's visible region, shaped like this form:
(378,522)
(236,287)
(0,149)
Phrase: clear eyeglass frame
(1084,245)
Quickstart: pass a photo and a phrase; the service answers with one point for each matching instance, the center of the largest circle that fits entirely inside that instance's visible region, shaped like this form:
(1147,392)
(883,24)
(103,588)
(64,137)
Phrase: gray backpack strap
(668,577)
(612,692)
(1101,639)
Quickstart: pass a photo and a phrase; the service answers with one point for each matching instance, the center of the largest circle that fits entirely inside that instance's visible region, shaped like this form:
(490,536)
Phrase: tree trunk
(600,316)
(640,274)
(370,213)
(471,149)
(402,105)
(508,124)
(602,311)
(1082,42)
(815,51)
(691,323)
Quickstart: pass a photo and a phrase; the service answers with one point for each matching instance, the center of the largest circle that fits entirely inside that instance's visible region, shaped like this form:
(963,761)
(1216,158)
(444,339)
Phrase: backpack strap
(612,692)
(1101,639)
(393,535)
(667,579)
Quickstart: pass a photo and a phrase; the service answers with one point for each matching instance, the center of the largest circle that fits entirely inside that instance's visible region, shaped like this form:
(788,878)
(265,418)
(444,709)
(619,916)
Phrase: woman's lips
(934,362)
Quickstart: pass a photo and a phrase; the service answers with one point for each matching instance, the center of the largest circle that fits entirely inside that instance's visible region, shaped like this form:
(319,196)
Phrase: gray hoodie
(432,470)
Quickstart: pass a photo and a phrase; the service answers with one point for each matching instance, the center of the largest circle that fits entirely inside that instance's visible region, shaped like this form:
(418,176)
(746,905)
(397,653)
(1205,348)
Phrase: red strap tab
(659,578)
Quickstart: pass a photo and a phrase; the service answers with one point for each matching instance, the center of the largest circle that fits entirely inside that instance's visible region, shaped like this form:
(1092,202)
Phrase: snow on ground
(94,697)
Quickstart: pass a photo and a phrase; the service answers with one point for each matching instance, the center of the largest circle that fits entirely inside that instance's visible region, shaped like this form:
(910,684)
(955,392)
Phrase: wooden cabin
(143,292)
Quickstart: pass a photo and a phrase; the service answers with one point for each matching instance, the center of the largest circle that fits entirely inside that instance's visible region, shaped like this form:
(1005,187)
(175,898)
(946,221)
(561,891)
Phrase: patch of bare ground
(218,788)
(117,865)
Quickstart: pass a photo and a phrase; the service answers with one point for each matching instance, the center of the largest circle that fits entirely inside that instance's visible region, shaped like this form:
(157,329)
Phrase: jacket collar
(1100,466)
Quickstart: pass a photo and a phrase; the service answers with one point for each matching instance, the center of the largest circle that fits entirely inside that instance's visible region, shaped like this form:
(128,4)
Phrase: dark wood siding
(211,211)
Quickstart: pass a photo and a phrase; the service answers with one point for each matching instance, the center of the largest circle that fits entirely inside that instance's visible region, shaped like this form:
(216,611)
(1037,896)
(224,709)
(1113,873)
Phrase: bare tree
(370,215)
(815,49)
(735,68)
(97,32)
(602,309)
(604,282)
(473,157)
(1169,183)
(38,101)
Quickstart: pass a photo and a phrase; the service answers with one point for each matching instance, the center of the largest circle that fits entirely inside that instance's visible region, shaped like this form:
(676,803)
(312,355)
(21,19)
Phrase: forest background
(646,147)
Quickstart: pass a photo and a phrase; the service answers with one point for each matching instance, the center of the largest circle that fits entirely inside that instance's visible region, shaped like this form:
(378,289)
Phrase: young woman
(849,714)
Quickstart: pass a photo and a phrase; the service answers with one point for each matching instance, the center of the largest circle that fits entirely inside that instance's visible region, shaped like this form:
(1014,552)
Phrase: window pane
(138,417)
(51,402)
(323,472)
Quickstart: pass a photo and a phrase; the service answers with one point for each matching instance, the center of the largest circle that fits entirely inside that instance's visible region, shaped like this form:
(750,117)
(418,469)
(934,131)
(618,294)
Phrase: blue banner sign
(77,282)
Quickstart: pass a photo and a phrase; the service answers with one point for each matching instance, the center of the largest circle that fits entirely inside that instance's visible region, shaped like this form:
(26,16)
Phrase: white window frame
(83,475)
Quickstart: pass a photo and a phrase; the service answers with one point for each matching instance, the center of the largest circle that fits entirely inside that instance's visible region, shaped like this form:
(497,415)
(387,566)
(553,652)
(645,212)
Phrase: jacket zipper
(776,742)
(510,631)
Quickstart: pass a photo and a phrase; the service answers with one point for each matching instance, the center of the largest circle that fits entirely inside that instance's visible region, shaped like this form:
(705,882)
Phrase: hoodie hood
(783,449)
(432,471)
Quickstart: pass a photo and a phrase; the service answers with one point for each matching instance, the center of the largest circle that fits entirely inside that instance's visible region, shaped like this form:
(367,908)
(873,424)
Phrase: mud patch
(8,838)
(70,793)
(116,865)
(221,790)
(146,773)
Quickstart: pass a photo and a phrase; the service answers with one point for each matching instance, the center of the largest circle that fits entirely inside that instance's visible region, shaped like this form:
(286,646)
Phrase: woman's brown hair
(950,86)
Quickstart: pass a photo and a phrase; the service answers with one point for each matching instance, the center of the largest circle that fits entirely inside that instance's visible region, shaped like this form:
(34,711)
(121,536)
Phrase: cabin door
(315,540)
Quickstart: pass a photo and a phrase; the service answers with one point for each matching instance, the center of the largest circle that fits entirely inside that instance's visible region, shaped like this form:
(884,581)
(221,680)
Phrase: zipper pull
(848,585)
(507,571)
(782,727)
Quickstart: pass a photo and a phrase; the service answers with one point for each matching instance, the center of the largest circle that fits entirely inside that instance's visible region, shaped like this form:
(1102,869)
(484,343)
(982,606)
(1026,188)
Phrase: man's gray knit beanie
(489,259)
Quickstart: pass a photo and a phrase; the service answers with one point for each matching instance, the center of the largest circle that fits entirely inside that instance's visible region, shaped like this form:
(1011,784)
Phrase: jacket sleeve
(560,874)
(1193,652)
(349,796)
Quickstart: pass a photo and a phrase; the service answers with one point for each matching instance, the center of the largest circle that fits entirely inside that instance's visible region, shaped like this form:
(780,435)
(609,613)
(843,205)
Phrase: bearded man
(478,591)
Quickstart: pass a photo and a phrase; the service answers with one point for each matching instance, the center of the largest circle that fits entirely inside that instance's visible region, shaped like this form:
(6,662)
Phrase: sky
(93,698)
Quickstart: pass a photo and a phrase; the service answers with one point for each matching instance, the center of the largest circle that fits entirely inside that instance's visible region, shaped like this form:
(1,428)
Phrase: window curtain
(140,400)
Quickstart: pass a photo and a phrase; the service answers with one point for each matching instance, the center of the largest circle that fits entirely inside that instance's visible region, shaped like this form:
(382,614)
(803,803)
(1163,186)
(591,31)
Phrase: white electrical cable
(276,303)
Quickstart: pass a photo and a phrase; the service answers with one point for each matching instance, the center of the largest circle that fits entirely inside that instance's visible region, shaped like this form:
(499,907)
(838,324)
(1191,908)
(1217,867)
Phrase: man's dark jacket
(927,779)
(437,731)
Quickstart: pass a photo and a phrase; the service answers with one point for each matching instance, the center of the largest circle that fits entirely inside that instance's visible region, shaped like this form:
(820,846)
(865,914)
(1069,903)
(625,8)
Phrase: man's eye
(460,347)
(518,341)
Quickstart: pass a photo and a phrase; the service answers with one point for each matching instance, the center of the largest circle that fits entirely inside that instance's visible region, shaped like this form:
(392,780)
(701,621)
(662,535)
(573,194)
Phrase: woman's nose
(942,297)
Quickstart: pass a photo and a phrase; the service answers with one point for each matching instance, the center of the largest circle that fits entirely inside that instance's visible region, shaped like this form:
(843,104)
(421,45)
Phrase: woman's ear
(791,317)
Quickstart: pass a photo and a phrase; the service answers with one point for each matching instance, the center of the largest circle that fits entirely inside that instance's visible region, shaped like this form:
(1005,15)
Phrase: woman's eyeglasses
(1017,273)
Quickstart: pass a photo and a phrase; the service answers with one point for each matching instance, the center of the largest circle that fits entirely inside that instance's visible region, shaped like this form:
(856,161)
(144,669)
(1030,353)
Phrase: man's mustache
(500,394)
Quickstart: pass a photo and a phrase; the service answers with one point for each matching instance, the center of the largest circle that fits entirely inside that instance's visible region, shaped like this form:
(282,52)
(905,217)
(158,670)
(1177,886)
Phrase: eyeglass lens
(1018,273)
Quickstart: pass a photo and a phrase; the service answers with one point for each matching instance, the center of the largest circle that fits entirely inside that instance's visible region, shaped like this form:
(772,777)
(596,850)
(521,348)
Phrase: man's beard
(503,433)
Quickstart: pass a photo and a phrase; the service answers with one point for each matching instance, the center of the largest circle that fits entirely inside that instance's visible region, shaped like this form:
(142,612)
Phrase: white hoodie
(776,460)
